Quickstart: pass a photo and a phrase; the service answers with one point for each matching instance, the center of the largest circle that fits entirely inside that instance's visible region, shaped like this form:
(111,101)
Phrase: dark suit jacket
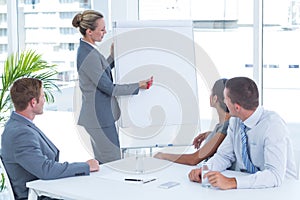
(99,105)
(29,155)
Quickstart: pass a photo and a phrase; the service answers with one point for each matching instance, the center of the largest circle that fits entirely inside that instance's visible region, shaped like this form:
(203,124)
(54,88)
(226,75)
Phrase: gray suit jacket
(99,105)
(29,155)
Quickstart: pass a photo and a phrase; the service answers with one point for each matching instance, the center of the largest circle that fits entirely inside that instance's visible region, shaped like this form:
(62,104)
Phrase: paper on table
(117,176)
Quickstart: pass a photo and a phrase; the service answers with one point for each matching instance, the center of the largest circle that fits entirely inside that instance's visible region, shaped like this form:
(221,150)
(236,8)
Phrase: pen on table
(147,181)
(132,179)
(139,180)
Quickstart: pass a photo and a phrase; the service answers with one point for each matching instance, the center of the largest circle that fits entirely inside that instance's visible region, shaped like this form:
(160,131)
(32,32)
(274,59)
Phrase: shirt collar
(23,117)
(254,118)
(93,45)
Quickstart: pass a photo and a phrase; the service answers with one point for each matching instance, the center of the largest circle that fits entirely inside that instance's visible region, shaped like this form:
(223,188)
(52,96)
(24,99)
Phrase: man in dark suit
(26,152)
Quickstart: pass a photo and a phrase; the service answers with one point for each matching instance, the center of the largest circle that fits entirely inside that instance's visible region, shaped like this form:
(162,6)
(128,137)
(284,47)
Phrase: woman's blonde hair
(86,20)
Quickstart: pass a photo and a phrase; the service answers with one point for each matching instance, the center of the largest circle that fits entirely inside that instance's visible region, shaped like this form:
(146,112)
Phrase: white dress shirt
(269,146)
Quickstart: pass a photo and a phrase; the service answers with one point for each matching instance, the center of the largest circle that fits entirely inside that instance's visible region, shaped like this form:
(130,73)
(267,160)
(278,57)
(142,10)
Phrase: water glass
(139,161)
(206,167)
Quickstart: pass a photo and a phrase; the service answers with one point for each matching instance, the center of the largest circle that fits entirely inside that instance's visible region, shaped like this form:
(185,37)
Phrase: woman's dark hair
(218,90)
(243,91)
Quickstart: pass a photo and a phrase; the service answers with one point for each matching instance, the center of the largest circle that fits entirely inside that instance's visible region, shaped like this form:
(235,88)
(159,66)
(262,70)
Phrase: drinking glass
(139,160)
(206,167)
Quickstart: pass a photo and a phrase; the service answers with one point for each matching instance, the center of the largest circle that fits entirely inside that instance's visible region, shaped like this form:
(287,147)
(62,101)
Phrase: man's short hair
(23,91)
(243,91)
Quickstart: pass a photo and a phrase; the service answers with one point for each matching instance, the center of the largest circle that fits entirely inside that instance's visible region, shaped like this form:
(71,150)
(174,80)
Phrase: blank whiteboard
(168,112)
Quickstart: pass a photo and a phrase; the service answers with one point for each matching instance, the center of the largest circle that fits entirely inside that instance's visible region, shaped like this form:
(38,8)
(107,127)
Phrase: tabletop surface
(109,183)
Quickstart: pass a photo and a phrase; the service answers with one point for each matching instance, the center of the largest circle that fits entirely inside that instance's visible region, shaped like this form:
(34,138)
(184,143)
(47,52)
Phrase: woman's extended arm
(204,152)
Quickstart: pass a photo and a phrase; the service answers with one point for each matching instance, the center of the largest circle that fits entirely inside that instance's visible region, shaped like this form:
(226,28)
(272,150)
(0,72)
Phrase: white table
(109,183)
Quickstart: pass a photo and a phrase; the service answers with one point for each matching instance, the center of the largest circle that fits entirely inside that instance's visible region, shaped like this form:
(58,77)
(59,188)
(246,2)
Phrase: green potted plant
(26,64)
(2,182)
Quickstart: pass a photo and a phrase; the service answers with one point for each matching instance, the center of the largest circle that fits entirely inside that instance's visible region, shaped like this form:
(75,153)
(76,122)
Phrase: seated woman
(212,138)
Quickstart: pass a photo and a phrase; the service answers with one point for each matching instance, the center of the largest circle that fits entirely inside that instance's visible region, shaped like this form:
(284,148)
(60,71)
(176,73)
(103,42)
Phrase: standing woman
(100,108)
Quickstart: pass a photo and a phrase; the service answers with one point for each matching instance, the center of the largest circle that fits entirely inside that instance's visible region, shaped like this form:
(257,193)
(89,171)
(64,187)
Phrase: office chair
(7,182)
(297,159)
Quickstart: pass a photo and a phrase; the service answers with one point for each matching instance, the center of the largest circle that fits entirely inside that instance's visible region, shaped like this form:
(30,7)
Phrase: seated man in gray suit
(26,152)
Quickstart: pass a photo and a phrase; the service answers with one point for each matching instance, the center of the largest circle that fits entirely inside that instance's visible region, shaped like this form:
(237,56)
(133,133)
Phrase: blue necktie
(245,155)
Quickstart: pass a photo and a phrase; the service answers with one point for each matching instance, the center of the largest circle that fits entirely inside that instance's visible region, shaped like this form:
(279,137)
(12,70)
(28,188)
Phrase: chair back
(8,191)
(297,160)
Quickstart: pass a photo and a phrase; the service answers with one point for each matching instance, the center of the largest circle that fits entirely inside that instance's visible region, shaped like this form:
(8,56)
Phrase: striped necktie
(245,155)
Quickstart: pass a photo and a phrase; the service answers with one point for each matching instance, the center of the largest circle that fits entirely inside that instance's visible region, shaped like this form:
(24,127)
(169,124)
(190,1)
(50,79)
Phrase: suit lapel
(50,144)
(43,136)
(103,60)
